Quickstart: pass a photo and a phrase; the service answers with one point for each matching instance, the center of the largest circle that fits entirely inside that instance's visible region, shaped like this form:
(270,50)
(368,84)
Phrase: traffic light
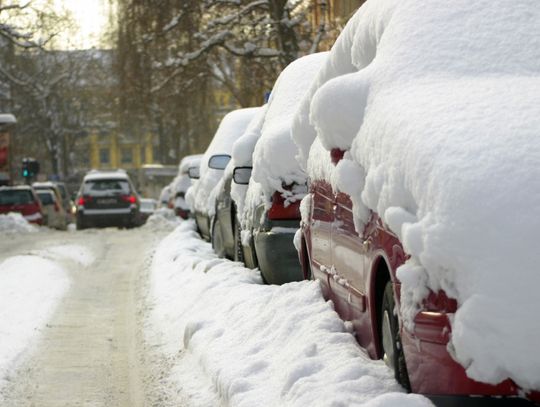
(30,167)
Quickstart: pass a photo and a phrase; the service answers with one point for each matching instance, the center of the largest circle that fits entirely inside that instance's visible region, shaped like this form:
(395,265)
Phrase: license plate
(106,201)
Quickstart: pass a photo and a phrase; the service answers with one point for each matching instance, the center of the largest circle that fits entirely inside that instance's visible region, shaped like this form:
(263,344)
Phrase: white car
(53,210)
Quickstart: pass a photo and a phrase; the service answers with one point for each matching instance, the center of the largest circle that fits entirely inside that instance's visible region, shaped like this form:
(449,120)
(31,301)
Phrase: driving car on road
(107,198)
(61,205)
(23,200)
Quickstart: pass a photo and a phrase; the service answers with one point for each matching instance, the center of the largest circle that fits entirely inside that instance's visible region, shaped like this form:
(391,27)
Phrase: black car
(107,198)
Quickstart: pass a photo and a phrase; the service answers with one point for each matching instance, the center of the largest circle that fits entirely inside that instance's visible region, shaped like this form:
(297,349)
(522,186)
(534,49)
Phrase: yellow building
(110,151)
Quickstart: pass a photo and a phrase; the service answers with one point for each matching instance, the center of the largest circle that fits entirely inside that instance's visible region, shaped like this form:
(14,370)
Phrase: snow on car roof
(95,175)
(439,104)
(189,161)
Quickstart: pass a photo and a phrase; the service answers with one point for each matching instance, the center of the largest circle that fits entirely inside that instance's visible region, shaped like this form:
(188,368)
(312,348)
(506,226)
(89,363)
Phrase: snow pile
(253,344)
(30,289)
(230,129)
(274,163)
(13,223)
(439,106)
(163,219)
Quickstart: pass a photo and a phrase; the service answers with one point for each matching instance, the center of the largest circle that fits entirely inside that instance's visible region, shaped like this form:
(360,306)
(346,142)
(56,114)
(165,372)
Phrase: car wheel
(217,240)
(238,250)
(80,224)
(392,348)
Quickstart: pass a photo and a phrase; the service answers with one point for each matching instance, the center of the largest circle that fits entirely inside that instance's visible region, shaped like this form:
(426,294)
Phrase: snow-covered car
(214,161)
(23,200)
(54,213)
(226,232)
(107,198)
(270,213)
(181,184)
(60,216)
(420,137)
(165,200)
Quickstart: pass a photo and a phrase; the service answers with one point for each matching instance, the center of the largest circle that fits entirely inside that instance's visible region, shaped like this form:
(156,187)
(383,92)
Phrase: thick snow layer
(439,105)
(230,129)
(254,344)
(30,289)
(13,223)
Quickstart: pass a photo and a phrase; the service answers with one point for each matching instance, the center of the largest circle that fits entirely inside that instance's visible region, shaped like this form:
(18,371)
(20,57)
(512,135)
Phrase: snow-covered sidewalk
(31,286)
(235,342)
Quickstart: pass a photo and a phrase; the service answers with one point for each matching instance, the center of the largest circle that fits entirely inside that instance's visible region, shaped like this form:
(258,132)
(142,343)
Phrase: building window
(104,156)
(127,156)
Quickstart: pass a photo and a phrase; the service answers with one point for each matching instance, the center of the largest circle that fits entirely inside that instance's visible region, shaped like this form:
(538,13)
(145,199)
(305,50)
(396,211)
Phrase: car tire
(391,345)
(238,249)
(80,224)
(216,238)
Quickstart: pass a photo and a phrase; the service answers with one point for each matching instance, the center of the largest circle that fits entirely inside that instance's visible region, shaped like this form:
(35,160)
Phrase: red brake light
(439,301)
(278,210)
(132,199)
(81,201)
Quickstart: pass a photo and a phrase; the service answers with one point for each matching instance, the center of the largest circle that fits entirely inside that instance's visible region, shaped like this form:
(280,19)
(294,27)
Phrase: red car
(23,200)
(358,273)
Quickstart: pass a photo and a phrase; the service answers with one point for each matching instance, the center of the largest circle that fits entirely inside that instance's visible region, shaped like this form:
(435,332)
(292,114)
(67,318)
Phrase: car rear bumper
(433,371)
(277,256)
(108,217)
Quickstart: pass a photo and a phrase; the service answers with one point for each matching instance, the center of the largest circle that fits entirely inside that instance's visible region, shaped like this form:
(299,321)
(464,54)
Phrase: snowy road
(89,350)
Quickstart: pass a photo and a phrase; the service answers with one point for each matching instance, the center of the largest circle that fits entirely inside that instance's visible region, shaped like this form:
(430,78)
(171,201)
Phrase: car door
(322,217)
(349,261)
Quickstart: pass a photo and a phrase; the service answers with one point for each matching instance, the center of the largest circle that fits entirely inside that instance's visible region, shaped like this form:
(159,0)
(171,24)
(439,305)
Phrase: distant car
(52,208)
(62,206)
(67,203)
(23,200)
(165,197)
(202,195)
(107,198)
(181,184)
(148,207)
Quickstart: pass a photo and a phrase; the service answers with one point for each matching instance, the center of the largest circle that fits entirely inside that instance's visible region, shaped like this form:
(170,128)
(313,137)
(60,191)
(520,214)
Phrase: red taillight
(282,211)
(440,302)
(132,199)
(81,201)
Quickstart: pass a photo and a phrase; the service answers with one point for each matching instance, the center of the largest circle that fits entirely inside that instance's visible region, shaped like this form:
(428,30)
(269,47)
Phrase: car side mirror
(336,155)
(219,162)
(194,172)
(242,175)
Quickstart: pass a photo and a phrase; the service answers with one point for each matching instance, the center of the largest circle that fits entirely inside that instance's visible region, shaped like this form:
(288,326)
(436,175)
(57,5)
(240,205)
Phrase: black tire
(391,345)
(80,224)
(238,249)
(216,238)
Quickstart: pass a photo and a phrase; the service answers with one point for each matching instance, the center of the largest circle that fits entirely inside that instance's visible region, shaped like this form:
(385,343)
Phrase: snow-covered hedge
(439,105)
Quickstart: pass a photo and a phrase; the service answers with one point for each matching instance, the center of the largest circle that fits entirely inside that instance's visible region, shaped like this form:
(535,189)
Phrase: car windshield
(16,197)
(46,198)
(106,185)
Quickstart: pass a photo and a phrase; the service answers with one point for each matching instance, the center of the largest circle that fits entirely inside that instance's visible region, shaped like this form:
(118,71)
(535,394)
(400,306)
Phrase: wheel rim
(388,341)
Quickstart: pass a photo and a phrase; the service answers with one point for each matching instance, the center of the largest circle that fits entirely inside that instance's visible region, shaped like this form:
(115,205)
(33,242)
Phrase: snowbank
(30,289)
(13,223)
(163,219)
(439,106)
(230,129)
(253,344)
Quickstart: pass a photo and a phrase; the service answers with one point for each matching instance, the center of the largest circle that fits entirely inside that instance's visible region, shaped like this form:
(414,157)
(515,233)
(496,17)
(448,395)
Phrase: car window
(106,185)
(15,197)
(63,191)
(46,198)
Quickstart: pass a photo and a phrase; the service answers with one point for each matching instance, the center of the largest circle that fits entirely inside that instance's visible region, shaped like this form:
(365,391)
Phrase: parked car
(67,202)
(23,200)
(54,213)
(107,198)
(181,184)
(148,207)
(422,216)
(165,196)
(201,196)
(62,206)
(271,209)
